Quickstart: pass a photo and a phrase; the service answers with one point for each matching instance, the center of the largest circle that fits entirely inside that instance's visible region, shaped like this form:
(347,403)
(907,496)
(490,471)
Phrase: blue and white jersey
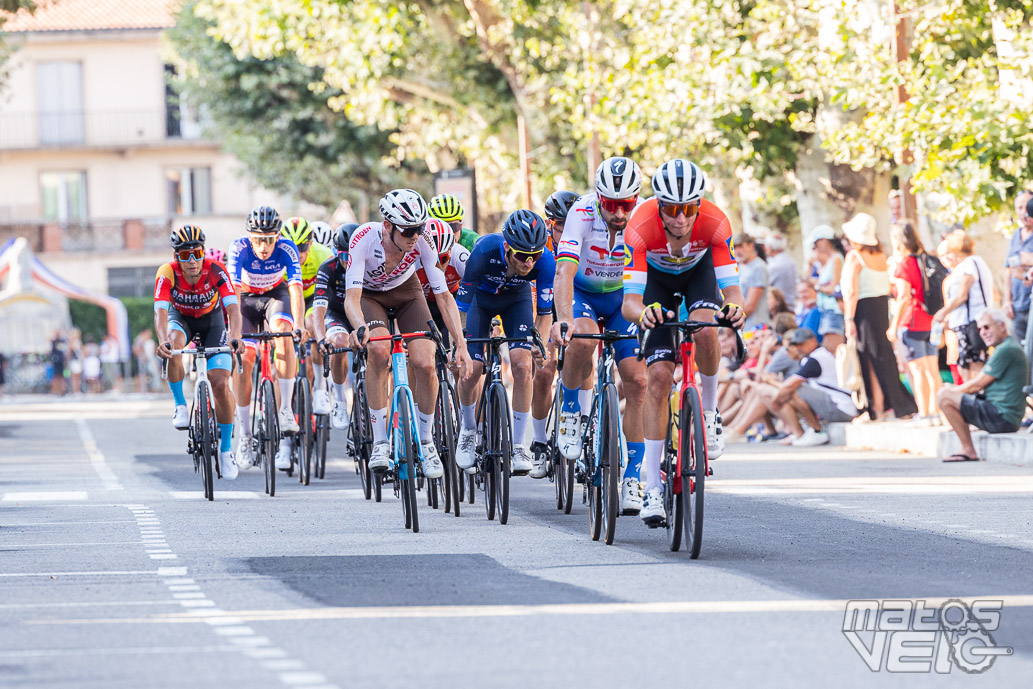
(486,272)
(252,275)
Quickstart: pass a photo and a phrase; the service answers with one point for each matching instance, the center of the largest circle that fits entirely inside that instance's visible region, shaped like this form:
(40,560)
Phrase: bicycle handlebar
(264,336)
(204,353)
(329,351)
(534,338)
(696,326)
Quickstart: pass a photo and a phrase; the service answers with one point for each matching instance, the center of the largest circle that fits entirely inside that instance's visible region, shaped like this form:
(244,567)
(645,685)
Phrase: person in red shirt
(913,321)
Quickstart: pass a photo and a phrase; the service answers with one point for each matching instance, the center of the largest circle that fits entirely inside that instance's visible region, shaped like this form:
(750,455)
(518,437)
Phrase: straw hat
(860,229)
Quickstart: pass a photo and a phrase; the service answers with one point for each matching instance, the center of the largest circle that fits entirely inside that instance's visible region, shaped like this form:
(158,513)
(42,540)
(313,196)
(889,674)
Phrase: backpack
(933,275)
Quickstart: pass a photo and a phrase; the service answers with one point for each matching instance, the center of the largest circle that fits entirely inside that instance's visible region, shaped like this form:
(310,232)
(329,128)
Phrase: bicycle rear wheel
(303,411)
(609,460)
(406,464)
(674,502)
(269,435)
(204,438)
(447,448)
(694,470)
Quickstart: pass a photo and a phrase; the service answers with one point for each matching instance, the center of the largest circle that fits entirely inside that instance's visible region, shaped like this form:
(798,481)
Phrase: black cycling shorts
(698,284)
(256,310)
(211,327)
(335,322)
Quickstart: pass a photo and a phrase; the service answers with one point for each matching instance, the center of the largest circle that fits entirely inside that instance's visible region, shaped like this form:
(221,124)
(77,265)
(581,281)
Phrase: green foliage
(92,320)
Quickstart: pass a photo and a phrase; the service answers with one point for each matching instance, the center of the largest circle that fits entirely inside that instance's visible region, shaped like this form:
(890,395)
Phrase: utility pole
(901,48)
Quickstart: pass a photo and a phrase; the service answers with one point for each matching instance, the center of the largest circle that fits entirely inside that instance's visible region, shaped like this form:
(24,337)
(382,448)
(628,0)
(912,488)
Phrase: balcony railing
(94,129)
(95,235)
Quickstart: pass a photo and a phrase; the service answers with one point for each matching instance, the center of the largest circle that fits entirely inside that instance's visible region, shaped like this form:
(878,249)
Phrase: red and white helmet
(440,235)
(216,255)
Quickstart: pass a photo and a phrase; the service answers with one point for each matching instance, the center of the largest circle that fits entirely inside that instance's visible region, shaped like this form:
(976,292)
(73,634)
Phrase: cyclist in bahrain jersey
(381,277)
(190,296)
(678,243)
(589,289)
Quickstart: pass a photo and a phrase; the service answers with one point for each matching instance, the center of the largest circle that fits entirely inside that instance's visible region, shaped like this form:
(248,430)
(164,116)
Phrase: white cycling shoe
(288,424)
(181,418)
(227,465)
(321,403)
(714,433)
(631,496)
(381,458)
(339,418)
(652,512)
(465,457)
(283,455)
(539,460)
(570,439)
(245,457)
(520,463)
(432,467)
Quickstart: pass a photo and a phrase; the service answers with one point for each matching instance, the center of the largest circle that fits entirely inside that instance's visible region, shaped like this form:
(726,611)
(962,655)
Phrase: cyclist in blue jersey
(266,270)
(497,281)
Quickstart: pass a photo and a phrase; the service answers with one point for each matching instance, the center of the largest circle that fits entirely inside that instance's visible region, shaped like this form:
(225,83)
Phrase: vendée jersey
(486,272)
(586,244)
(171,289)
(647,246)
(252,275)
(366,262)
(454,271)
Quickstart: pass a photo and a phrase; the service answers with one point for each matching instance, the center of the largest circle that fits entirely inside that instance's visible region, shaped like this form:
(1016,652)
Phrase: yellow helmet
(297,230)
(446,207)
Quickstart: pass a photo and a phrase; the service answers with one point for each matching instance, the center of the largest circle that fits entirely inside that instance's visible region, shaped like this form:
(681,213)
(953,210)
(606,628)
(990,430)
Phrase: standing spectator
(753,278)
(1016,294)
(993,400)
(91,368)
(968,292)
(75,357)
(146,360)
(109,361)
(829,255)
(921,356)
(808,315)
(782,271)
(866,306)
(896,203)
(57,365)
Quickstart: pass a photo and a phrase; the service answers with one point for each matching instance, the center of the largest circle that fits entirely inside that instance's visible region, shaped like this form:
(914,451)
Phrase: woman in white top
(969,289)
(866,289)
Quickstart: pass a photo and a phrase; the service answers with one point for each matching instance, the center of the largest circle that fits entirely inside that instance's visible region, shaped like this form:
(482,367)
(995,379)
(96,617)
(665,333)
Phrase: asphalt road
(115,573)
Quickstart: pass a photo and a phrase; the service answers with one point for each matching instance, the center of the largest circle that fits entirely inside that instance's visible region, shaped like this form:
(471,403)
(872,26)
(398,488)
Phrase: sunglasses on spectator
(527,256)
(195,254)
(618,205)
(673,210)
(263,238)
(409,231)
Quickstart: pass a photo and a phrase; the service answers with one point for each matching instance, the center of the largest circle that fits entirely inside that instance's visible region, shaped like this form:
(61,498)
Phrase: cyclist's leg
(659,357)
(633,377)
(518,321)
(478,324)
(412,314)
(702,285)
(251,314)
(541,394)
(179,332)
(279,318)
(219,367)
(337,329)
(378,363)
(577,363)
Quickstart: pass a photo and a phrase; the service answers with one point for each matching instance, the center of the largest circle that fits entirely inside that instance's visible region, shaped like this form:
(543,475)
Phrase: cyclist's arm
(228,298)
(163,282)
(234,264)
(475,266)
(236,323)
(726,270)
(161,329)
(634,279)
(568,255)
(321,298)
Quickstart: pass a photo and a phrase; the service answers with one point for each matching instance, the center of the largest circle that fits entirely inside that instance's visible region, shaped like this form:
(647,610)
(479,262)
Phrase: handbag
(970,330)
(848,372)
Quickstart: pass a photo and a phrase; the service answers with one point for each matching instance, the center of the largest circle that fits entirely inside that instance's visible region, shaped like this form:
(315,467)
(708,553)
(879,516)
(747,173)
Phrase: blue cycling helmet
(525,231)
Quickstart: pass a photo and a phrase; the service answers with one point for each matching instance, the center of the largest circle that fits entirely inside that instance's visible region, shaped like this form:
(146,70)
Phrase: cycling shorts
(606,306)
(514,308)
(211,328)
(406,301)
(336,323)
(698,284)
(308,304)
(258,309)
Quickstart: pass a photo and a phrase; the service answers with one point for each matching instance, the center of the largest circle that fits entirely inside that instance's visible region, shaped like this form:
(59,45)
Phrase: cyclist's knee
(379,355)
(660,378)
(520,360)
(634,382)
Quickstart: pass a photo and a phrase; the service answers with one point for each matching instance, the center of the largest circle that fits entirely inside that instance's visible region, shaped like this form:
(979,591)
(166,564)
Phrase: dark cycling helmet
(343,235)
(525,231)
(559,204)
(264,220)
(186,237)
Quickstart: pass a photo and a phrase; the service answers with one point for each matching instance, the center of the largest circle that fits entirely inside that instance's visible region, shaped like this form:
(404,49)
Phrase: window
(137,281)
(181,121)
(189,190)
(59,102)
(64,196)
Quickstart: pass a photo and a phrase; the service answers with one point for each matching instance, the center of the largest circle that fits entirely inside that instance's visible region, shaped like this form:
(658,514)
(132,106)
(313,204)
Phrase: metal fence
(31,231)
(82,128)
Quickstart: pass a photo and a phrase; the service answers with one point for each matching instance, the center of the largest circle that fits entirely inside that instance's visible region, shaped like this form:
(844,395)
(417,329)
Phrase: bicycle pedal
(519,473)
(710,471)
(656,523)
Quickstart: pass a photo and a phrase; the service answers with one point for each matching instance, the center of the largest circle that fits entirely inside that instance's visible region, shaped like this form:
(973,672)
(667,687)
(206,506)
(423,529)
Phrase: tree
(9,6)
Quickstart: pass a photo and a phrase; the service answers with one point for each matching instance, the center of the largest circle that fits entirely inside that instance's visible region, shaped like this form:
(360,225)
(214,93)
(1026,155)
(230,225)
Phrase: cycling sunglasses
(618,205)
(195,254)
(409,231)
(673,210)
(525,256)
(303,247)
(554,224)
(263,238)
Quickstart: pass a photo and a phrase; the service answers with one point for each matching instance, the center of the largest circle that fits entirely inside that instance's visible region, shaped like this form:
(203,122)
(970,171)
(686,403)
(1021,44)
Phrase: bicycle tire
(557,469)
(610,461)
(360,423)
(269,436)
(593,481)
(674,502)
(503,446)
(410,503)
(303,409)
(447,448)
(693,440)
(204,439)
(322,438)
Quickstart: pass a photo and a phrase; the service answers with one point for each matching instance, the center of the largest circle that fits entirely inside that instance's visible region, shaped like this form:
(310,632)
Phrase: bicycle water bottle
(936,334)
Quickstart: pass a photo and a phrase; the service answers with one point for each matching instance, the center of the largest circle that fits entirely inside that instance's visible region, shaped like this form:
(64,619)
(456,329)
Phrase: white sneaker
(181,418)
(570,439)
(652,512)
(539,460)
(381,458)
(288,424)
(714,432)
(245,457)
(227,466)
(631,496)
(811,438)
(465,448)
(520,463)
(339,418)
(431,461)
(283,455)
(321,403)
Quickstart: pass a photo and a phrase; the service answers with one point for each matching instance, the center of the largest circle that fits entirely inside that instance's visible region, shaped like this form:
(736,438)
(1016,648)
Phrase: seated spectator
(777,303)
(993,400)
(808,315)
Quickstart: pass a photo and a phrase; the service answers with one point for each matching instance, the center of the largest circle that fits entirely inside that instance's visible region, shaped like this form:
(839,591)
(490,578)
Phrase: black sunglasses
(409,231)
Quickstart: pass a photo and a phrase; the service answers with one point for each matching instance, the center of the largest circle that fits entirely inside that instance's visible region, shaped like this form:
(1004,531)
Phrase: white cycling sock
(654,451)
(708,392)
(541,428)
(469,416)
(244,420)
(339,392)
(378,419)
(286,392)
(320,381)
(584,398)
(520,426)
(426,426)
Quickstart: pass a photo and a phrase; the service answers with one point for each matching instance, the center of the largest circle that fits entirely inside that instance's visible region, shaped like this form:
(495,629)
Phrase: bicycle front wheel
(269,435)
(694,470)
(322,437)
(303,411)
(205,438)
(501,448)
(674,499)
(447,448)
(609,460)
(405,461)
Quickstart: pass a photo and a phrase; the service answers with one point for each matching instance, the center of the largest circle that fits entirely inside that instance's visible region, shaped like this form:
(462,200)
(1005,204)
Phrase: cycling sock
(571,398)
(541,428)
(225,437)
(426,426)
(520,426)
(654,450)
(177,392)
(320,381)
(244,420)
(635,452)
(469,416)
(339,392)
(708,392)
(378,419)
(584,398)
(286,392)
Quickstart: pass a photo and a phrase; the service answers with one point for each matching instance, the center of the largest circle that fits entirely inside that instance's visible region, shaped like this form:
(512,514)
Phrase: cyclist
(323,233)
(190,295)
(678,243)
(452,259)
(381,276)
(450,209)
(589,289)
(556,208)
(498,282)
(330,323)
(217,255)
(266,270)
(312,253)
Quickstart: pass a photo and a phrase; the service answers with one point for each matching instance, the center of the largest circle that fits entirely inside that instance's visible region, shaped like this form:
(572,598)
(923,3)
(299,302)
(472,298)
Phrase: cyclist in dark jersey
(328,319)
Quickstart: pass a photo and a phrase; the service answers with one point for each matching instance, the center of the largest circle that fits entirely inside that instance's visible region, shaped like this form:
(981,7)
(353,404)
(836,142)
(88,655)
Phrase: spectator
(75,357)
(753,278)
(782,270)
(808,315)
(968,292)
(1016,294)
(91,368)
(146,361)
(57,365)
(109,360)
(829,255)
(777,303)
(866,289)
(896,203)
(993,400)
(914,321)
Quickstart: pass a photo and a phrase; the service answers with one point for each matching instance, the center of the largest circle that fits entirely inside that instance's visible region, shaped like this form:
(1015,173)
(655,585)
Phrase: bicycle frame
(402,394)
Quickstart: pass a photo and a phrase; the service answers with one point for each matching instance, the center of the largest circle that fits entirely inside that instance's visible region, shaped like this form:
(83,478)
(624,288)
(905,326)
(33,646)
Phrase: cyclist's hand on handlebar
(164,350)
(462,358)
(359,337)
(557,334)
(654,315)
(237,346)
(734,314)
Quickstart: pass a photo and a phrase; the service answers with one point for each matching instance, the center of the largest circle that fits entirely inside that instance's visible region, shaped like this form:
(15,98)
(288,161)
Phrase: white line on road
(42,496)
(140,650)
(100,465)
(124,572)
(101,604)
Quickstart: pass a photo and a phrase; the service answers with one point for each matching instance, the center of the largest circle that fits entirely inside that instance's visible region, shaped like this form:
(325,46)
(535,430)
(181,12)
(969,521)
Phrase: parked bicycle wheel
(269,436)
(694,470)
(406,468)
(203,438)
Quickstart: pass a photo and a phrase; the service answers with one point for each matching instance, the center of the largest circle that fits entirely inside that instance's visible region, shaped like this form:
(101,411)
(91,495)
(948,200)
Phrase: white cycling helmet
(679,181)
(404,207)
(322,233)
(618,178)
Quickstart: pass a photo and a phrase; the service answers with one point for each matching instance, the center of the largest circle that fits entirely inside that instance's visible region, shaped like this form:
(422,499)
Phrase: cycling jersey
(331,286)
(317,256)
(467,238)
(366,262)
(172,289)
(252,275)
(586,244)
(648,248)
(454,271)
(486,273)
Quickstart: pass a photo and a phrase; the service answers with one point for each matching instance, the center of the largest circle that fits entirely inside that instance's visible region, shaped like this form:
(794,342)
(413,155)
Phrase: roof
(92,15)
